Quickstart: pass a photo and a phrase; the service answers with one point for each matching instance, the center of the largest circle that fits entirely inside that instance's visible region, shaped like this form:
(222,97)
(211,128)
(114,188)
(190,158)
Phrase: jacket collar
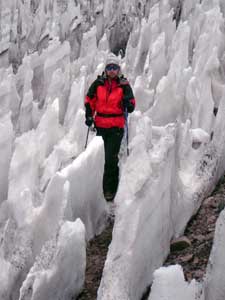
(119,79)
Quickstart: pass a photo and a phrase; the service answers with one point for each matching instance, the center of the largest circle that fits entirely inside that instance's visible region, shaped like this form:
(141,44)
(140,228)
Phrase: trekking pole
(87,138)
(127,133)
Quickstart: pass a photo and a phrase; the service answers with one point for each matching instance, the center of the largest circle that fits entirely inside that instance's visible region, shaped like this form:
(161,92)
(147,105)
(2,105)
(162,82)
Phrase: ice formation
(50,186)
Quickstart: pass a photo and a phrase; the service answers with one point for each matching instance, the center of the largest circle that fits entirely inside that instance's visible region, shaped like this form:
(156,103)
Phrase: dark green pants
(112,138)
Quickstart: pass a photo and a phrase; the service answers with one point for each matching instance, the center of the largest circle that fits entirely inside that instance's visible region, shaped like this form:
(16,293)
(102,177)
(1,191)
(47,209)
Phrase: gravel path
(200,231)
(96,255)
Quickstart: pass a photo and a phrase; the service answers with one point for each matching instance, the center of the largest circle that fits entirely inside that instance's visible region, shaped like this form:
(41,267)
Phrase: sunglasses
(112,67)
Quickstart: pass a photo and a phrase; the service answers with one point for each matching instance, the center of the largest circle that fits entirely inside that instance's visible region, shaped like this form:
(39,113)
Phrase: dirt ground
(96,255)
(200,231)
(194,259)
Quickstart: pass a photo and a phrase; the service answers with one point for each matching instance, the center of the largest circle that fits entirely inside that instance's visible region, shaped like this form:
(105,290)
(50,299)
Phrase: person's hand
(89,121)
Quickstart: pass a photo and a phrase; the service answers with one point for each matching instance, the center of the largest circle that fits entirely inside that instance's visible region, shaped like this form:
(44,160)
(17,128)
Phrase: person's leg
(112,142)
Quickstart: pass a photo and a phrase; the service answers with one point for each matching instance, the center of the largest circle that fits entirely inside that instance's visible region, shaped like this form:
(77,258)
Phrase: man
(108,97)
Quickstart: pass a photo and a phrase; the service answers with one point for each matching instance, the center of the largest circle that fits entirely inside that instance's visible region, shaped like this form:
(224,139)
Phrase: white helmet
(112,59)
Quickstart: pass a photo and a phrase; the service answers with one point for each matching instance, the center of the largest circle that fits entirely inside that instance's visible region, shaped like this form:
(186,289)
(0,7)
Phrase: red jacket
(104,101)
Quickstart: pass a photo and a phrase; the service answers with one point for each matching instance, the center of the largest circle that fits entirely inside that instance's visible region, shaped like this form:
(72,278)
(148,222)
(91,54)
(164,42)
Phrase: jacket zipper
(108,92)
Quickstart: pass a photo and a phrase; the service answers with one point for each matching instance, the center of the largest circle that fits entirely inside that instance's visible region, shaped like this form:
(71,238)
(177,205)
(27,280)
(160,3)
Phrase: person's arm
(128,96)
(90,101)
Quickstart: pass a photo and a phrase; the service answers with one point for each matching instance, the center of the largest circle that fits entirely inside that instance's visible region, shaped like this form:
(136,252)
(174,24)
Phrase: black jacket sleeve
(128,98)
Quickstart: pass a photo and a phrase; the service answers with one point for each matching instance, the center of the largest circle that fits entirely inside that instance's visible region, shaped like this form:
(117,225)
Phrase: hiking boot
(109,196)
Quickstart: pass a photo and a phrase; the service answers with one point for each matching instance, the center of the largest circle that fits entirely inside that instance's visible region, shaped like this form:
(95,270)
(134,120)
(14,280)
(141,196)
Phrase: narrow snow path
(96,254)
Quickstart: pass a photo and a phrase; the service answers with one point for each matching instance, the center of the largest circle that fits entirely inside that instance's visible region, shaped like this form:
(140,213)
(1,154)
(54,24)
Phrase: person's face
(112,70)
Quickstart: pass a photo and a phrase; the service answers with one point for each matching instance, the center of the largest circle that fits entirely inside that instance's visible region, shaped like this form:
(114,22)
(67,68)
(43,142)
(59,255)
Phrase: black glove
(128,105)
(89,121)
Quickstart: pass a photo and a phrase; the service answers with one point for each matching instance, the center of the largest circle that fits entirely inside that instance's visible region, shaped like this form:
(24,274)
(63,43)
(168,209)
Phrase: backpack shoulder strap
(123,80)
(100,80)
